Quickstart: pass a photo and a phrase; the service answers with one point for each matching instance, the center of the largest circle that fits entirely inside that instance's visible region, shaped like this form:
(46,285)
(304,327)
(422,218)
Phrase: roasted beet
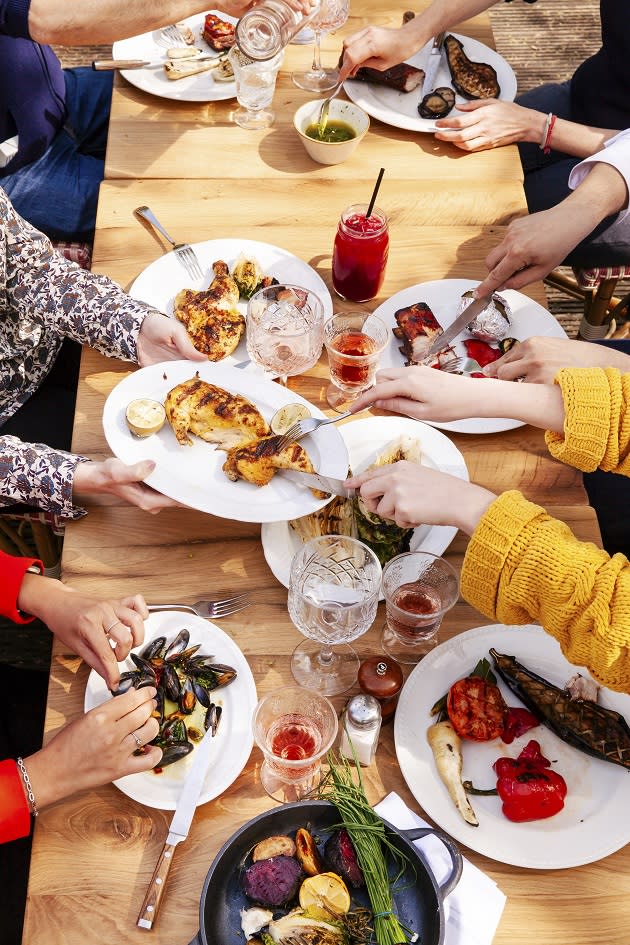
(272,882)
(342,858)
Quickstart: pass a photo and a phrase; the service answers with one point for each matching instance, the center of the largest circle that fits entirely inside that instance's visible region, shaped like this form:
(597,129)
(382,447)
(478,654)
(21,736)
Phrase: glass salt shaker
(360,728)
(264,30)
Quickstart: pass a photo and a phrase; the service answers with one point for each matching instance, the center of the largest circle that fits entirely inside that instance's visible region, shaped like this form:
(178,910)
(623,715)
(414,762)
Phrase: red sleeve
(12,571)
(15,817)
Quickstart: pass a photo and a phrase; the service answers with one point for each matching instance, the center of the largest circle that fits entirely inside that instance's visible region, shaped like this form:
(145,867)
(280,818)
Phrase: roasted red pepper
(516,723)
(482,352)
(528,788)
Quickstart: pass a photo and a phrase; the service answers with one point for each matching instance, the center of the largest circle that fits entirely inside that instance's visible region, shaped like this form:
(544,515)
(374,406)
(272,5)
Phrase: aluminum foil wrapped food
(493,323)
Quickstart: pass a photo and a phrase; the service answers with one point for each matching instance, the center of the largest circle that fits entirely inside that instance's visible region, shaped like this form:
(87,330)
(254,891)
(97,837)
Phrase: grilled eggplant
(588,726)
(436,104)
(470,79)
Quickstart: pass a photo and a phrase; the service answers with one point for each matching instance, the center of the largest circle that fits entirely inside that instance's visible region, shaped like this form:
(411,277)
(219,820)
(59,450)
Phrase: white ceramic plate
(594,821)
(400,109)
(151,47)
(233,741)
(365,439)
(193,474)
(160,282)
(443,298)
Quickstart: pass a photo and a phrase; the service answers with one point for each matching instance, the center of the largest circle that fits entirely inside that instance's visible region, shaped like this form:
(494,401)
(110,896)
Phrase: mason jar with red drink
(360,253)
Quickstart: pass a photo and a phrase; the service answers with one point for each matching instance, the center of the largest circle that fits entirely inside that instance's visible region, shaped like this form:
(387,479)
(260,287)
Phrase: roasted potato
(273,846)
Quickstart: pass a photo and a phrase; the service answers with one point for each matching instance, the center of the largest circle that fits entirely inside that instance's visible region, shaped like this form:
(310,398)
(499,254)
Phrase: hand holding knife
(433,64)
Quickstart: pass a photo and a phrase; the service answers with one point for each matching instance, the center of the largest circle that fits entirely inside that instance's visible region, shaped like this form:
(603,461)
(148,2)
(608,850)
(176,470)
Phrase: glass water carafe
(267,28)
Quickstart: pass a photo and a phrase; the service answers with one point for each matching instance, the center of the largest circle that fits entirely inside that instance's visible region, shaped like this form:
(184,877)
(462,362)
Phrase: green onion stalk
(367,832)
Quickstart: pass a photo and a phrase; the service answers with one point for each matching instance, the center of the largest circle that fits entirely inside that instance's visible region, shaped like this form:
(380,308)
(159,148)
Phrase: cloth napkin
(474,908)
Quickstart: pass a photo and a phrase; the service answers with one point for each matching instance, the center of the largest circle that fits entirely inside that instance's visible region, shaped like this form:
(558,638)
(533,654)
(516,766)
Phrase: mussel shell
(215,676)
(143,665)
(213,717)
(200,692)
(174,752)
(126,682)
(179,644)
(154,648)
(181,658)
(187,698)
(173,731)
(170,682)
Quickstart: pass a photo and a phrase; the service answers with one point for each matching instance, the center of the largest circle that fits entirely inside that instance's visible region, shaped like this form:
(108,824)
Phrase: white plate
(365,439)
(594,822)
(151,47)
(400,109)
(160,282)
(193,474)
(233,741)
(443,298)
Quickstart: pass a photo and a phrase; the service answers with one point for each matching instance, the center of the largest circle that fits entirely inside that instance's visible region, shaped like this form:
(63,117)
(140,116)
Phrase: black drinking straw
(374,193)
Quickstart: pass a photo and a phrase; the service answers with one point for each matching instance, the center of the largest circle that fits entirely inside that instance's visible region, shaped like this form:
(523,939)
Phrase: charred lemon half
(284,418)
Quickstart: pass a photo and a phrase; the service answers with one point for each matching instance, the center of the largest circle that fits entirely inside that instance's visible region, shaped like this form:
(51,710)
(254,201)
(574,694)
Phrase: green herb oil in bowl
(333,131)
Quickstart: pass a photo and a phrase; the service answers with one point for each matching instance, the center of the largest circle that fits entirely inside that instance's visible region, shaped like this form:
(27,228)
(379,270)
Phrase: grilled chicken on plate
(213,414)
(258,461)
(211,316)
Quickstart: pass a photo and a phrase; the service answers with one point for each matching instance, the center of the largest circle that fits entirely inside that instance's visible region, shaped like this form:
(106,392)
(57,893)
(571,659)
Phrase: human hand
(378,48)
(490,123)
(97,748)
(412,494)
(113,477)
(88,626)
(538,360)
(164,339)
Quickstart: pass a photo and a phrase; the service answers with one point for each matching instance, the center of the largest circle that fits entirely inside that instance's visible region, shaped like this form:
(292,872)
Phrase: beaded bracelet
(29,787)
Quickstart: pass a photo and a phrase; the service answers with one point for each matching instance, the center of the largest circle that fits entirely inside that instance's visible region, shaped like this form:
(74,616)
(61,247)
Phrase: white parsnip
(446,747)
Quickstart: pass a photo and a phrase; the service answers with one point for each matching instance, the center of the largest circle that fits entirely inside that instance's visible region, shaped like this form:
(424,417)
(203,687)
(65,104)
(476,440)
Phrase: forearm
(104,21)
(540,405)
(524,566)
(570,138)
(602,193)
(439,15)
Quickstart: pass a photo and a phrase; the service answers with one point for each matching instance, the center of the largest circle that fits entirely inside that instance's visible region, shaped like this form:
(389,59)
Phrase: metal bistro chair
(595,287)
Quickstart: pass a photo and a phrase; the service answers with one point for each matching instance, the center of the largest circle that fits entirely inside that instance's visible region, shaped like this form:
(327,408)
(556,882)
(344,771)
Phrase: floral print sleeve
(36,475)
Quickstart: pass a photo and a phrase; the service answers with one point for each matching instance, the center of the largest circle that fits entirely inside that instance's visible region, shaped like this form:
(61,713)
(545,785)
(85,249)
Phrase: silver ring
(136,739)
(108,630)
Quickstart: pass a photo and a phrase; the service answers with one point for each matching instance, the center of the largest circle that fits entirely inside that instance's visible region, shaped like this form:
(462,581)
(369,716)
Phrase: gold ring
(109,629)
(136,739)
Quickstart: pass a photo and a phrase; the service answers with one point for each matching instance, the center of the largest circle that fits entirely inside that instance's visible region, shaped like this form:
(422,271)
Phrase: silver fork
(171,36)
(303,427)
(184,251)
(208,608)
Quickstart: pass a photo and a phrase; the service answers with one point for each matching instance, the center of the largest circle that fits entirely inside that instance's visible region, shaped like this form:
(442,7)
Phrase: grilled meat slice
(258,461)
(417,329)
(470,79)
(211,317)
(213,414)
(218,33)
(402,77)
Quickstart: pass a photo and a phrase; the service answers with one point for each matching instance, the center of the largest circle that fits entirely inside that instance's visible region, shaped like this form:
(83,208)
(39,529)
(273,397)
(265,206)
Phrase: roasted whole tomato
(476,709)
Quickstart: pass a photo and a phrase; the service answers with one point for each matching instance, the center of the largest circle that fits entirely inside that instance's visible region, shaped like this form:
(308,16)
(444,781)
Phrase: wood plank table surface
(94,853)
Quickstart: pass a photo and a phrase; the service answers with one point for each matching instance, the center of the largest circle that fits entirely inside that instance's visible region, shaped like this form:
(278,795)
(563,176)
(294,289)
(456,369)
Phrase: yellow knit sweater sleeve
(597,420)
(524,566)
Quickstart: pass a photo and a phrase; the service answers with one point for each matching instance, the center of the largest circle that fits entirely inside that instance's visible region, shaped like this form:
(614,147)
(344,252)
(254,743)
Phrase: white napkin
(474,908)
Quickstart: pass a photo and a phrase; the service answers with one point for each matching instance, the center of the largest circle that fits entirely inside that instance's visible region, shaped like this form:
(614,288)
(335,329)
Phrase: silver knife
(180,825)
(105,65)
(317,481)
(471,311)
(433,64)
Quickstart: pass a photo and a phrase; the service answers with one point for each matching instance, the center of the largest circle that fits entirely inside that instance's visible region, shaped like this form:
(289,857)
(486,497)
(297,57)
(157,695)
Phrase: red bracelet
(547,144)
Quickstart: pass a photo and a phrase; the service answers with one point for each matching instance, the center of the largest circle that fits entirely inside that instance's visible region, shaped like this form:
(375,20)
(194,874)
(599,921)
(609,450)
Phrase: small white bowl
(331,152)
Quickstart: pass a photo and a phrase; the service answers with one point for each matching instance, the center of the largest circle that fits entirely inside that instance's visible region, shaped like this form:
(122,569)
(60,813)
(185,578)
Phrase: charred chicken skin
(417,329)
(211,317)
(213,414)
(258,461)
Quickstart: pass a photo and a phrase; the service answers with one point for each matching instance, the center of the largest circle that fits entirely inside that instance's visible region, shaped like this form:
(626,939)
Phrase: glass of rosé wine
(285,330)
(354,342)
(419,589)
(334,589)
(294,728)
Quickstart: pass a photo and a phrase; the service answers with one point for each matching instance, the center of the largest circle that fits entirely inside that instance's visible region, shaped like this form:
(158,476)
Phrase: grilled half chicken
(213,414)
(258,461)
(211,317)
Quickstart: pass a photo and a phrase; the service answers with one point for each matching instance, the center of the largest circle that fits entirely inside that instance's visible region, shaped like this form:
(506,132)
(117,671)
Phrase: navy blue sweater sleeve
(14,18)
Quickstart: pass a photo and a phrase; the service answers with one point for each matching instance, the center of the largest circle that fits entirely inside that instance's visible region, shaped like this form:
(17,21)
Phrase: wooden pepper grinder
(382,677)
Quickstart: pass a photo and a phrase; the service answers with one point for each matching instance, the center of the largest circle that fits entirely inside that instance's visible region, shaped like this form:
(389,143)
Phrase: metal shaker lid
(364,711)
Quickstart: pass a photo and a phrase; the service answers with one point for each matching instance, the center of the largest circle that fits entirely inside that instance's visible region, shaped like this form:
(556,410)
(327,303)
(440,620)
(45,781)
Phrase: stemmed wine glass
(332,15)
(285,330)
(333,595)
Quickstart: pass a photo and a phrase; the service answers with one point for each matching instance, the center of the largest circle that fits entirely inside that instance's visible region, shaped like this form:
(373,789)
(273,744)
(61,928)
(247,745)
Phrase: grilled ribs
(218,33)
(417,329)
(402,77)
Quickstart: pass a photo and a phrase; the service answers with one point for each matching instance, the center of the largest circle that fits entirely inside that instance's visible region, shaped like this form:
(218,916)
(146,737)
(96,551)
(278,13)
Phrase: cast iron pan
(419,905)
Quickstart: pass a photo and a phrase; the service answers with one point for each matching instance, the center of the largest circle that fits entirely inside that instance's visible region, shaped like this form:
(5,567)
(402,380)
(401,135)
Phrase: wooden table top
(94,854)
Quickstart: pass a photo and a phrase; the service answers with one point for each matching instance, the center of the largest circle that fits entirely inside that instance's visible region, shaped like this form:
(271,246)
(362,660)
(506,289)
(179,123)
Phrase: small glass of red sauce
(360,253)
(354,342)
(419,589)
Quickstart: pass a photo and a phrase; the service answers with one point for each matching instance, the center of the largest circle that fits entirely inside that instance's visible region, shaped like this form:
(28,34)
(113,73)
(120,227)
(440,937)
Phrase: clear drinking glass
(354,341)
(255,86)
(285,329)
(333,595)
(419,588)
(332,15)
(294,728)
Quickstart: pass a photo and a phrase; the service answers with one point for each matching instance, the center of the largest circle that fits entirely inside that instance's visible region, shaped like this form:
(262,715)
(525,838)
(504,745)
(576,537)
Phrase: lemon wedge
(145,417)
(323,894)
(284,418)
